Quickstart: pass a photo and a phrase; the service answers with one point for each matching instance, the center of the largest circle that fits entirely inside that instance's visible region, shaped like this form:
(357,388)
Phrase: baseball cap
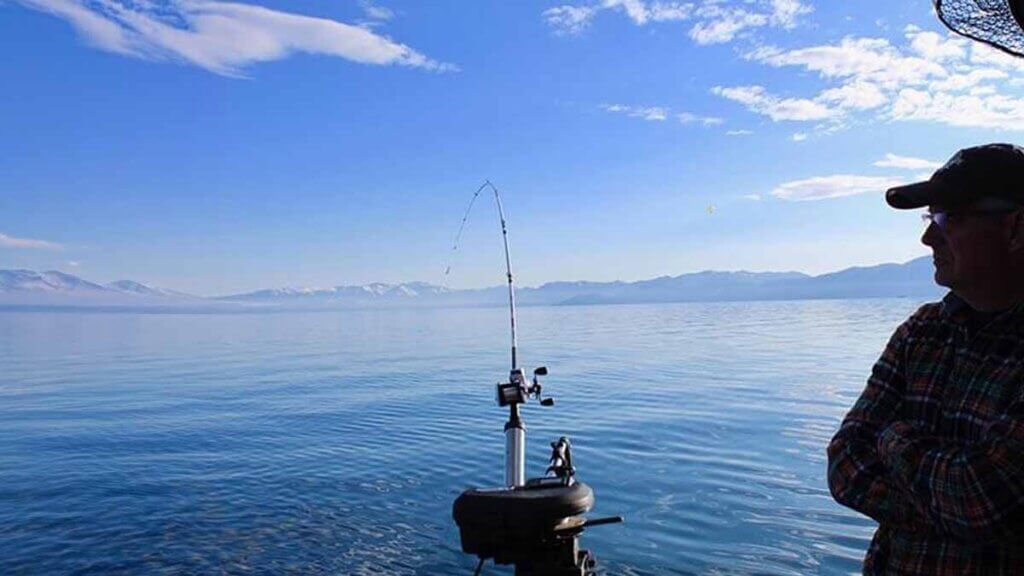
(992,171)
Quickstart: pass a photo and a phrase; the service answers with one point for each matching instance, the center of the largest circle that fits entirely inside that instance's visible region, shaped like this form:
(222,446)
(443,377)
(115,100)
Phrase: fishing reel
(517,391)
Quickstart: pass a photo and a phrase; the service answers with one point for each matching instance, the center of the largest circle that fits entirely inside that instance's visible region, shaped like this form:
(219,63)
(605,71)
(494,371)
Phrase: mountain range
(21,288)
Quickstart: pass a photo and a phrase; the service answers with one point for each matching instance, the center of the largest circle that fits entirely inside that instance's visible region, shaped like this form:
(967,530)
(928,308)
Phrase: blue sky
(217,147)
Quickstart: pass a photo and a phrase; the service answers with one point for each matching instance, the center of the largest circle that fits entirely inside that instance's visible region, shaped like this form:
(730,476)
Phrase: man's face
(971,249)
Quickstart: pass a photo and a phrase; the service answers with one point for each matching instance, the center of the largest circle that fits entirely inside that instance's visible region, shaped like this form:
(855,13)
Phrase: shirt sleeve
(857,477)
(975,491)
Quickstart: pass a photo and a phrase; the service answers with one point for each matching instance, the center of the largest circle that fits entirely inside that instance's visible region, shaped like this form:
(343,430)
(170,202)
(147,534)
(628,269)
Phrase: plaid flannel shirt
(933,449)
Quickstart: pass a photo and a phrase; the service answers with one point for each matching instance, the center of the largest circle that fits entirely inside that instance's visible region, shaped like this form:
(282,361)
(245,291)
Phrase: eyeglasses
(941,218)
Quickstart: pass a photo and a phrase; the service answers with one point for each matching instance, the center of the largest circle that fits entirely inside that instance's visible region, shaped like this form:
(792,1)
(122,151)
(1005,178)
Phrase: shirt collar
(957,310)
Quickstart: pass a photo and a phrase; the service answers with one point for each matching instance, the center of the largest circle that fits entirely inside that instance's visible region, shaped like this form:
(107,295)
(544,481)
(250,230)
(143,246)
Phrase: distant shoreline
(244,310)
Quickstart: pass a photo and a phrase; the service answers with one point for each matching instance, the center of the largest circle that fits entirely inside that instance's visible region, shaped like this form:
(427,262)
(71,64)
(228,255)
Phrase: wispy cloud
(929,77)
(12,242)
(570,20)
(225,37)
(651,113)
(757,99)
(714,21)
(907,163)
(786,13)
(688,118)
(376,11)
(660,114)
(722,24)
(739,133)
(837,186)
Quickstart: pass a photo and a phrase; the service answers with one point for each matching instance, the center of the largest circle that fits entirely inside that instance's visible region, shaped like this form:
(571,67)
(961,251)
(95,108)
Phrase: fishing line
(462,227)
(508,257)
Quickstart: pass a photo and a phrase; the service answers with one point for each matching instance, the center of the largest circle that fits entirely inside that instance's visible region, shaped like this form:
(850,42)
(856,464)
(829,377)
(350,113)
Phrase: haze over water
(334,443)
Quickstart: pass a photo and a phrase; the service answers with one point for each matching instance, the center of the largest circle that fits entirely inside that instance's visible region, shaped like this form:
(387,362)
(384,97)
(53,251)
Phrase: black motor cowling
(512,525)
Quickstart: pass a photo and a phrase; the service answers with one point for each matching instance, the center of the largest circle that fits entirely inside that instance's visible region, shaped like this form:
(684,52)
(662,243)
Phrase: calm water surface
(334,443)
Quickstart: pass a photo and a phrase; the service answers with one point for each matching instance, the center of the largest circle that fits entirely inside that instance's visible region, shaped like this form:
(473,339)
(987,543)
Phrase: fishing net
(999,23)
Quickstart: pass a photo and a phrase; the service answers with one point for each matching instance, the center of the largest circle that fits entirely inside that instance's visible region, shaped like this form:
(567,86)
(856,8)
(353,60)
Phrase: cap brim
(921,194)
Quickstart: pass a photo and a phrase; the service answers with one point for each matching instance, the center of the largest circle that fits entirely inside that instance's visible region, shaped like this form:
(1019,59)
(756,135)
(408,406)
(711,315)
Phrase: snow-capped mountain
(52,288)
(133,287)
(376,292)
(912,279)
(44,282)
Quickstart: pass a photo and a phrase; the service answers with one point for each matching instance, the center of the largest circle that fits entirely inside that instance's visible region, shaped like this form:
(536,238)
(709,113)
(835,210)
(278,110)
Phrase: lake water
(335,443)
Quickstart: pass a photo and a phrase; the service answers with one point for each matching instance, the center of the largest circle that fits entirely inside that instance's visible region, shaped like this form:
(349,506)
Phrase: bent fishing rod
(516,391)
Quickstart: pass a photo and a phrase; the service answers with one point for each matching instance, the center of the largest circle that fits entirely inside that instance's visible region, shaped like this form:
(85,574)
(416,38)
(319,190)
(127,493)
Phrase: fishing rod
(515,431)
(508,257)
(508,270)
(532,524)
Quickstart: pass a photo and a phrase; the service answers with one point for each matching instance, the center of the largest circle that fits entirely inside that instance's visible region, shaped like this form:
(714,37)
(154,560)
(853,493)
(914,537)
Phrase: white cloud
(984,55)
(838,186)
(757,99)
(907,163)
(657,114)
(670,11)
(930,77)
(74,263)
(936,47)
(858,59)
(660,113)
(12,242)
(739,133)
(95,27)
(996,111)
(754,197)
(635,9)
(723,25)
(966,81)
(570,20)
(855,96)
(224,37)
(689,118)
(716,21)
(652,113)
(785,13)
(376,11)
(800,137)
(641,12)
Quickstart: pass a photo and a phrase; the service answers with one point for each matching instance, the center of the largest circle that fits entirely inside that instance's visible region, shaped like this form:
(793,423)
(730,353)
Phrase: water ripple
(335,443)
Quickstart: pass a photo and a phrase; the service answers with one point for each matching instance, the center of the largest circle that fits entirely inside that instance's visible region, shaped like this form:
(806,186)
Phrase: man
(933,450)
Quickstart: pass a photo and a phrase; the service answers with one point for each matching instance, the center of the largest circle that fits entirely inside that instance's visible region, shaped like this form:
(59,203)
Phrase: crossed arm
(899,474)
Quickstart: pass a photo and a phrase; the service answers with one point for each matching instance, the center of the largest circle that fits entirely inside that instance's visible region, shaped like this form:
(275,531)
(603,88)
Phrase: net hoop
(998,23)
